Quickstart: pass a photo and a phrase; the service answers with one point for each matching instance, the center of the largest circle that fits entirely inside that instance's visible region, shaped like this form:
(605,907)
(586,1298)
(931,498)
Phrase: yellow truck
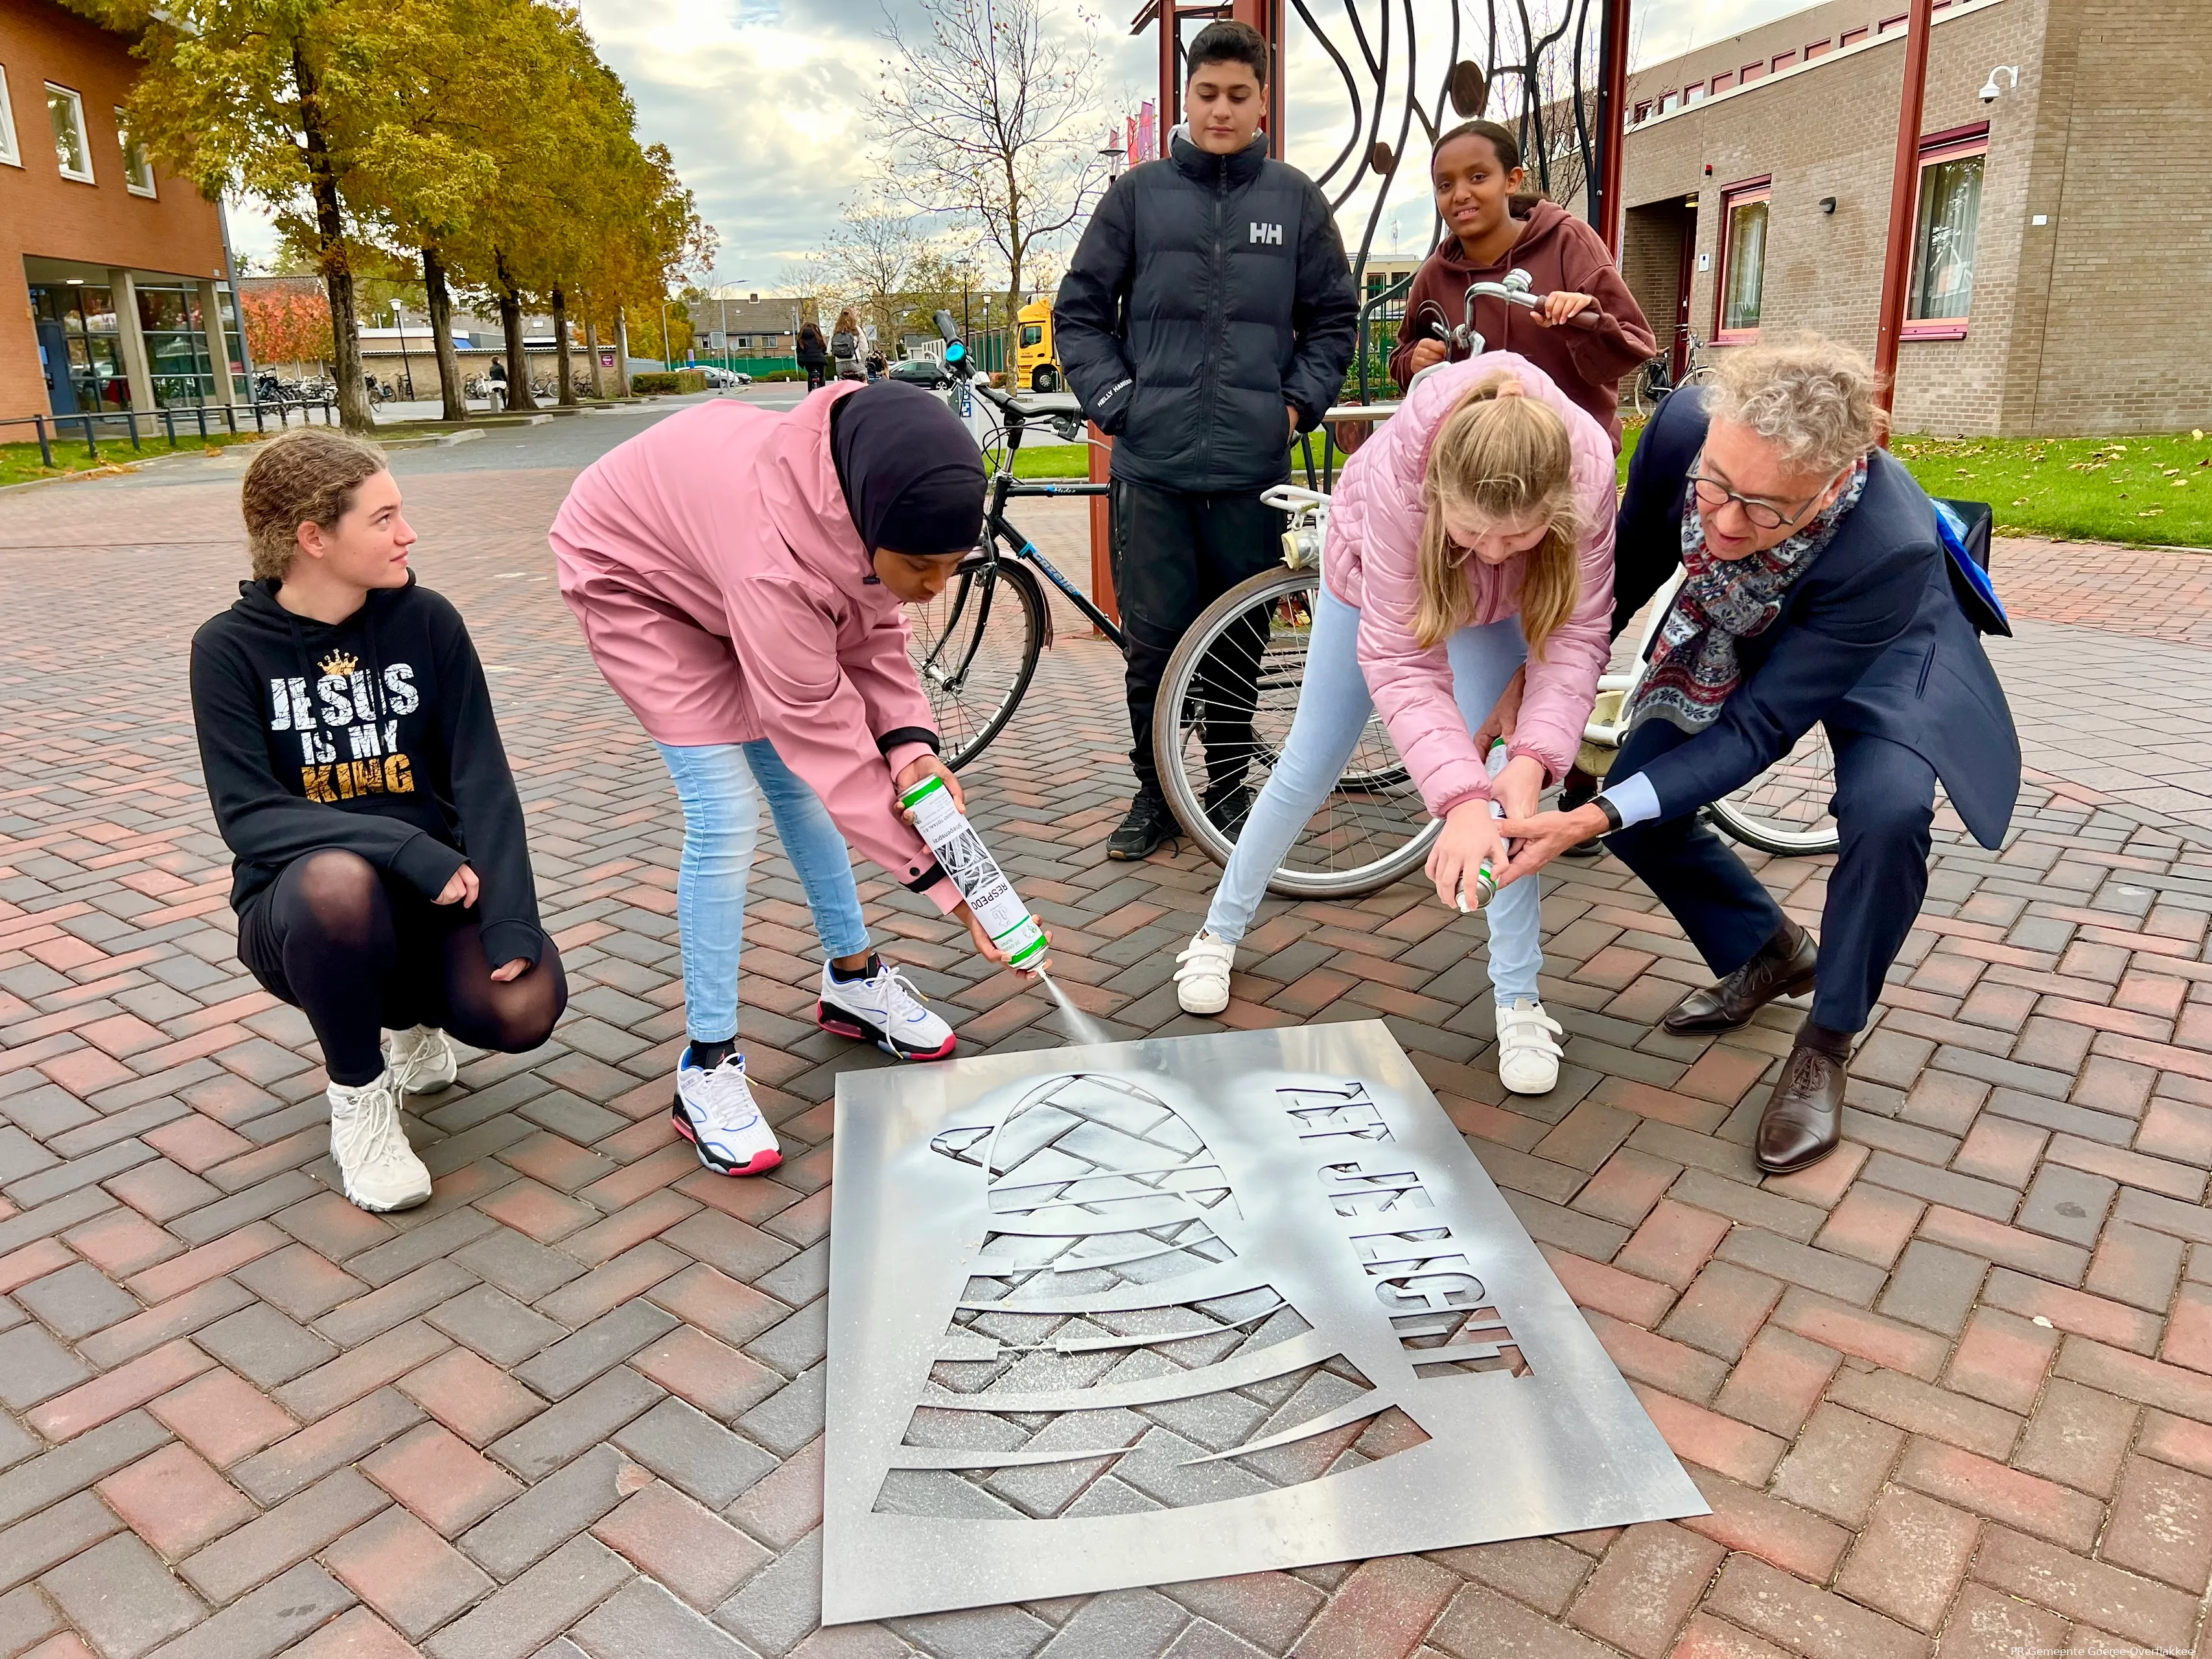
(1036,367)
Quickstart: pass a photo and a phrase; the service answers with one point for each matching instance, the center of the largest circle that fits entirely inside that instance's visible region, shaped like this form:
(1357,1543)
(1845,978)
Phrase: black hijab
(912,475)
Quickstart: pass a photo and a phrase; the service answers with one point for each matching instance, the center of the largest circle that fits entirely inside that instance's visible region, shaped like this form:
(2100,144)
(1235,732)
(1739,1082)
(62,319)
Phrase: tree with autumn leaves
(482,140)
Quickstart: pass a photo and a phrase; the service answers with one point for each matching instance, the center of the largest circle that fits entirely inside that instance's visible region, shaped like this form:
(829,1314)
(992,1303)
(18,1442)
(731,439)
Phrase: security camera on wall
(1991,90)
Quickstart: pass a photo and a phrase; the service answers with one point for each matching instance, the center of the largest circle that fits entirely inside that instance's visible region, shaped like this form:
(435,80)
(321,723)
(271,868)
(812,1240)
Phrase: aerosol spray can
(975,871)
(1484,888)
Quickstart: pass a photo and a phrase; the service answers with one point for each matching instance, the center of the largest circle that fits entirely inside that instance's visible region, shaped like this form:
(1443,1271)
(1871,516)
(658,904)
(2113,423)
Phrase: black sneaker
(1149,827)
(1580,789)
(1227,807)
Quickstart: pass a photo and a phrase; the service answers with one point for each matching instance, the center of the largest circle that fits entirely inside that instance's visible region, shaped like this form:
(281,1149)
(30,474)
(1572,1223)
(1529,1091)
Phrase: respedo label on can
(961,851)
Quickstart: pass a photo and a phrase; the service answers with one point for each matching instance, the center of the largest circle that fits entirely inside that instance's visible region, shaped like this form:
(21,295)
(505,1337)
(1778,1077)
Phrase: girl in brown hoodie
(1476,171)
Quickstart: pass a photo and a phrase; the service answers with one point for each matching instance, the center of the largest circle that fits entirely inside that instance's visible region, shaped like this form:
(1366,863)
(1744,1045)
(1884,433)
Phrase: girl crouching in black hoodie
(381,879)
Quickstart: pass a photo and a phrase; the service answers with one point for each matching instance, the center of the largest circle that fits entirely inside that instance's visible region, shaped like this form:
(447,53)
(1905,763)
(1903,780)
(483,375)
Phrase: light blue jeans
(720,786)
(1333,707)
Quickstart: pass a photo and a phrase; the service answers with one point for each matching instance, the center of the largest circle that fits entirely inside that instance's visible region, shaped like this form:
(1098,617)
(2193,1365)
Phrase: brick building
(2058,222)
(114,289)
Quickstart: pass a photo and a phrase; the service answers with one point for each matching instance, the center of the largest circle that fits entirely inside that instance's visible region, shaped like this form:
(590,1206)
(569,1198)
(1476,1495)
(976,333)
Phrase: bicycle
(975,646)
(1655,379)
(1235,678)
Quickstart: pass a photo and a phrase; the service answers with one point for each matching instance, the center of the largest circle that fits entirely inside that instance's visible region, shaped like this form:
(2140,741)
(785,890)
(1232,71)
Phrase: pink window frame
(1727,76)
(1783,60)
(1947,146)
(1850,38)
(1732,197)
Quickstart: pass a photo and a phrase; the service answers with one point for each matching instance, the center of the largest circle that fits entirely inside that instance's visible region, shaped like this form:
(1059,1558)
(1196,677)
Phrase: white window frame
(10,152)
(83,133)
(124,142)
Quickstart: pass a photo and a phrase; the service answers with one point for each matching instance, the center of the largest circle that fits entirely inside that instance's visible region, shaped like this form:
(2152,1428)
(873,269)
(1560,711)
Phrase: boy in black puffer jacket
(1207,317)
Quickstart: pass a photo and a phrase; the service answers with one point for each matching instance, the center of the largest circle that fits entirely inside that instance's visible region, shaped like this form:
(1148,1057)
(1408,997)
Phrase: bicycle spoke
(1243,694)
(970,650)
(1793,800)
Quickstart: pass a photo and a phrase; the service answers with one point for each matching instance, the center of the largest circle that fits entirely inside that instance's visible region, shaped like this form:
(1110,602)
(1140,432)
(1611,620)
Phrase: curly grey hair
(1813,399)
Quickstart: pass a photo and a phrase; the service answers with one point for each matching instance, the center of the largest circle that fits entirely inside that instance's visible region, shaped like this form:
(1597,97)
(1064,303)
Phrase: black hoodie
(376,735)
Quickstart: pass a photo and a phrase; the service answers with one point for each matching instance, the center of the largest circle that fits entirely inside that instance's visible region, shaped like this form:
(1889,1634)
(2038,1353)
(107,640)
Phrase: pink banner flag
(1129,147)
(1146,147)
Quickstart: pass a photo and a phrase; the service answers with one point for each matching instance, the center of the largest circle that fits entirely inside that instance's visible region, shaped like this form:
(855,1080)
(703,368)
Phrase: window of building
(1669,102)
(1946,226)
(71,147)
(1722,82)
(1783,60)
(1818,49)
(175,334)
(137,171)
(1749,73)
(1851,37)
(9,153)
(1889,23)
(1643,112)
(1743,259)
(1692,94)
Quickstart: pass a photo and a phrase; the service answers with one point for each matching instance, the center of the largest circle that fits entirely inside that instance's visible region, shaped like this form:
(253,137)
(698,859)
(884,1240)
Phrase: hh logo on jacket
(1270,235)
(347,700)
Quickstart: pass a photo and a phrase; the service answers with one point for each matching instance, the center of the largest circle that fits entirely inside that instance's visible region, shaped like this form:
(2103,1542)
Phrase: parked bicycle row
(1325,687)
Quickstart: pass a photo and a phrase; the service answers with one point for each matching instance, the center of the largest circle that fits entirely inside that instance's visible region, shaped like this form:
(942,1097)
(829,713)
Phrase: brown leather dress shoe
(1804,1116)
(1783,968)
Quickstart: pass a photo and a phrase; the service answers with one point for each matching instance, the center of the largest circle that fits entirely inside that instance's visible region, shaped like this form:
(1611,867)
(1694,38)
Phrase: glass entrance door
(81,319)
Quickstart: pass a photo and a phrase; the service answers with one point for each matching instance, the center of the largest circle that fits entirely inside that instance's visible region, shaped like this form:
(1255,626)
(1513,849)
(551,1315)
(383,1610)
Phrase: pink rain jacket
(726,596)
(1370,561)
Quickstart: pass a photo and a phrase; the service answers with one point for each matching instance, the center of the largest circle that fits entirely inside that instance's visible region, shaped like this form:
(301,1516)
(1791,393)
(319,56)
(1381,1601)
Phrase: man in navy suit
(1816,588)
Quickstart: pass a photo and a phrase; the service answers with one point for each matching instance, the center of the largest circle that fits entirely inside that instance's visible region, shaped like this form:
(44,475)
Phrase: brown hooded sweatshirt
(1557,251)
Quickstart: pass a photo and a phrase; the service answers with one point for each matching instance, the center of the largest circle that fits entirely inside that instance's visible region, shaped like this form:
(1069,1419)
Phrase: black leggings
(357,953)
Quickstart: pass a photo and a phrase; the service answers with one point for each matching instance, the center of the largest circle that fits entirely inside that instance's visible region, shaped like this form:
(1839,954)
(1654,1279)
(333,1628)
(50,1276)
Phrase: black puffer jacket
(1208,292)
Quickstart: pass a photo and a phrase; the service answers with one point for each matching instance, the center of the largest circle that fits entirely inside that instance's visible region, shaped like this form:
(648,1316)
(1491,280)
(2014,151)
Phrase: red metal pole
(1613,121)
(1171,103)
(1903,200)
(1267,16)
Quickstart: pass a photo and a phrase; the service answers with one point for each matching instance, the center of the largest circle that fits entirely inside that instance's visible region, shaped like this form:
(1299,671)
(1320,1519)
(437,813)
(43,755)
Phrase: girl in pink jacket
(738,574)
(1473,534)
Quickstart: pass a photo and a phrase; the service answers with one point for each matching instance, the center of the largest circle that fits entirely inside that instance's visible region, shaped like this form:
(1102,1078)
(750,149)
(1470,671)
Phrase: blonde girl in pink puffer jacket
(1471,538)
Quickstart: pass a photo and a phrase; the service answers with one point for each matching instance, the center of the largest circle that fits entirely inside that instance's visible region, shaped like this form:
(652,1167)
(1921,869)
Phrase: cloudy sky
(761,103)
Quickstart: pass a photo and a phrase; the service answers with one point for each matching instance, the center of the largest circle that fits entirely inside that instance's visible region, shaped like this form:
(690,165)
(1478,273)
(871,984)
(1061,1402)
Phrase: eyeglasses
(1713,495)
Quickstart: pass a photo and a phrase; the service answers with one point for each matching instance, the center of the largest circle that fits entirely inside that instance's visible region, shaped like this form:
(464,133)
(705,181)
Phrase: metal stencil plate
(1146,1312)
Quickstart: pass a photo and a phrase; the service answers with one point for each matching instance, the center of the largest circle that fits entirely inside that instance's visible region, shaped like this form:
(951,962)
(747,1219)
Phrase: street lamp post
(667,344)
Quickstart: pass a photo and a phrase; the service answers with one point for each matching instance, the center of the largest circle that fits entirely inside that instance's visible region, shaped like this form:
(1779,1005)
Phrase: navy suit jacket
(1870,639)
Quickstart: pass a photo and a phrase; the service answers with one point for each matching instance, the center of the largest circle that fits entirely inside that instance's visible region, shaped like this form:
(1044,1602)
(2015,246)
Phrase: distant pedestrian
(813,355)
(848,348)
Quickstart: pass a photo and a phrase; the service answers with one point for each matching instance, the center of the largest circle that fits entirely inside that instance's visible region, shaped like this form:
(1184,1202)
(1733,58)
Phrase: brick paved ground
(1950,1392)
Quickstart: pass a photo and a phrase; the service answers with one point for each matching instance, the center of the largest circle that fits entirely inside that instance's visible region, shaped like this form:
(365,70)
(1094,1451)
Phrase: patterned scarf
(1694,665)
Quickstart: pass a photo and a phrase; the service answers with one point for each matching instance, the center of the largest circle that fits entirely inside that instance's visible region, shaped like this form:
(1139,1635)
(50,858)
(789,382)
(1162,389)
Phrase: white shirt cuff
(1634,799)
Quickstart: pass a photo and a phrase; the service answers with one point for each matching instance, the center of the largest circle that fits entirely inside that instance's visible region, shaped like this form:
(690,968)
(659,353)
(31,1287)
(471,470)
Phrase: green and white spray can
(961,851)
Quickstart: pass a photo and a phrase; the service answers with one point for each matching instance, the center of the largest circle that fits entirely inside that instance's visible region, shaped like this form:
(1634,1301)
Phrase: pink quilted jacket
(1369,560)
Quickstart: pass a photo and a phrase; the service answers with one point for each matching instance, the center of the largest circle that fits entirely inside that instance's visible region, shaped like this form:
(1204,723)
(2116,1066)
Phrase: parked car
(719,377)
(922,371)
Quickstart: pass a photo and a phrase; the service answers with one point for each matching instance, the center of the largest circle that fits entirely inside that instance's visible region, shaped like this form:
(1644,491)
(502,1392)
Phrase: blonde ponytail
(1504,459)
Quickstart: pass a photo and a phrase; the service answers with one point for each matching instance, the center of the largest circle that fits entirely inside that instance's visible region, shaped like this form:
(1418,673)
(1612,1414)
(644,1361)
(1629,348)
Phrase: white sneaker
(1202,975)
(883,1009)
(1528,1050)
(420,1061)
(715,1112)
(378,1168)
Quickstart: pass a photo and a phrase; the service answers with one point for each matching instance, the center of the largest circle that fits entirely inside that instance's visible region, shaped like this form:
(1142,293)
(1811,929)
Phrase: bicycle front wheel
(975,648)
(1789,810)
(1225,707)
